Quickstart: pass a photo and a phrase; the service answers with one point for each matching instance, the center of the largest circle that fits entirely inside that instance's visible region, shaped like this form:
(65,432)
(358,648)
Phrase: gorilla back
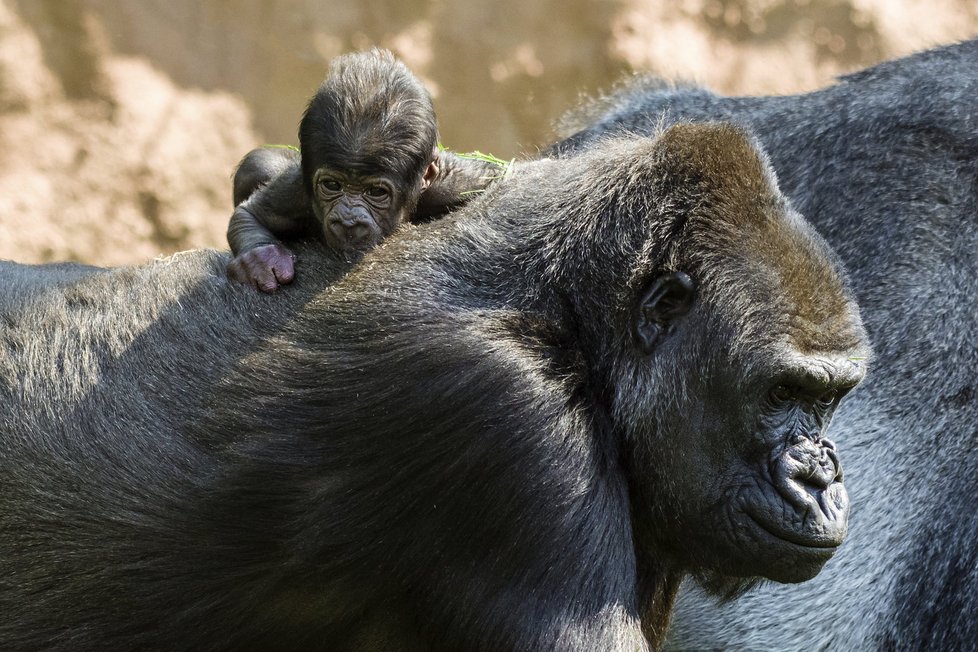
(885,164)
(515,429)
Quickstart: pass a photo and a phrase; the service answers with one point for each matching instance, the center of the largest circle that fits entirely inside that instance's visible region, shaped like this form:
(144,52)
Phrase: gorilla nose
(823,467)
(350,230)
(808,474)
(812,463)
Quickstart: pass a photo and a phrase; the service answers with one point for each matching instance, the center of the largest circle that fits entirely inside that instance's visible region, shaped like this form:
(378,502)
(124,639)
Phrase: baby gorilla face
(356,211)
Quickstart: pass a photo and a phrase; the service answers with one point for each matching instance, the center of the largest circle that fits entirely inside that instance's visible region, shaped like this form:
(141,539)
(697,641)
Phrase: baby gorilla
(368,144)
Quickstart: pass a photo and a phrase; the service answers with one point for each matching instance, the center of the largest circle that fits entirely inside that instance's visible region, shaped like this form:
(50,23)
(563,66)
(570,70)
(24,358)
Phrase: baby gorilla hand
(263,267)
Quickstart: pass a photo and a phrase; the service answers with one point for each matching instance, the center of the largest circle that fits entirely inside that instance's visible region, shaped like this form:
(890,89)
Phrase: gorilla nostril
(832,458)
(822,470)
(359,231)
(349,230)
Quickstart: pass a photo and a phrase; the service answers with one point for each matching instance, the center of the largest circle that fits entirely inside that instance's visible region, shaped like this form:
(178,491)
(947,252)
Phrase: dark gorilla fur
(489,435)
(885,164)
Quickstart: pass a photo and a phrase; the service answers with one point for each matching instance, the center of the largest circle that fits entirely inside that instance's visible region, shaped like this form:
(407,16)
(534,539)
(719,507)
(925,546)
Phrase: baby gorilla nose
(352,230)
(345,229)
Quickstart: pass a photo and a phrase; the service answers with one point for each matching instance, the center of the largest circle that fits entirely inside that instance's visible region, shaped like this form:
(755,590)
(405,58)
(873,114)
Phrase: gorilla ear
(668,298)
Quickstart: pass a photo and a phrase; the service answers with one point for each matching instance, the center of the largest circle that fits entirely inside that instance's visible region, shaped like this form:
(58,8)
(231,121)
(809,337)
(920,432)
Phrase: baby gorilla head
(368,137)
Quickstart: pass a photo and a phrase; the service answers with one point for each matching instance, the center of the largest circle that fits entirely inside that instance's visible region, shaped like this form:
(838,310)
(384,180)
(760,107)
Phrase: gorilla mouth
(803,501)
(792,521)
(804,540)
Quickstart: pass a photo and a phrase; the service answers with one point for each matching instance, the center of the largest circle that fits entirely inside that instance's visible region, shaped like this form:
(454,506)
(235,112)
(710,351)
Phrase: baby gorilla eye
(377,192)
(330,185)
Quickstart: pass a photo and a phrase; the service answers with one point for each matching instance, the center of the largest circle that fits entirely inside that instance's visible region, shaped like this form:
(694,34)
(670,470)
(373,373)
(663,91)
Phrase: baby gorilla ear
(430,174)
(668,298)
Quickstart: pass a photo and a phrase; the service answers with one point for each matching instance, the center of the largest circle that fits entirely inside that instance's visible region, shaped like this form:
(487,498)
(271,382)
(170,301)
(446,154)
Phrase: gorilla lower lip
(795,538)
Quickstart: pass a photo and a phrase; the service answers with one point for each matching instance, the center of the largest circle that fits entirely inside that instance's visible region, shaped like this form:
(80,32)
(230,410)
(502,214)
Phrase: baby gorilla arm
(457,179)
(275,204)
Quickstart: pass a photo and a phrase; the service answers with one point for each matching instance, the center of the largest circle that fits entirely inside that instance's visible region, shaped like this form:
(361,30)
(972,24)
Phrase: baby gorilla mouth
(354,233)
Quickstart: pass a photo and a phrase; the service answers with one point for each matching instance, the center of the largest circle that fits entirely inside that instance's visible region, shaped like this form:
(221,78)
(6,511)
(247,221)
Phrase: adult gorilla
(885,164)
(515,429)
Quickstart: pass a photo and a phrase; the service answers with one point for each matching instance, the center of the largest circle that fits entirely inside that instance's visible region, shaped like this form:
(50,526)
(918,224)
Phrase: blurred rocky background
(121,120)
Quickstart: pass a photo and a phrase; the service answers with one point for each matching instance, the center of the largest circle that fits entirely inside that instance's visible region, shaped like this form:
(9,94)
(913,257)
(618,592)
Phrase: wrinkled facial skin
(788,498)
(756,481)
(357,211)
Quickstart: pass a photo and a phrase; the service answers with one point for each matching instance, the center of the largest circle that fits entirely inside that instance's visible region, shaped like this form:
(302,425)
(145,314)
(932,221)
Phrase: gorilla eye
(377,192)
(826,400)
(784,394)
(329,185)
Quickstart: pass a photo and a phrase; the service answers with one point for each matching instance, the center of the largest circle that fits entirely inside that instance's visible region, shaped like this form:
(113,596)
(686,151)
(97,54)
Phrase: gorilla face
(765,484)
(796,503)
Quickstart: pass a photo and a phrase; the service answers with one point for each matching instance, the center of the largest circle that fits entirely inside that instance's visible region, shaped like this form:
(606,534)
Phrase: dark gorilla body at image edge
(316,468)
(885,164)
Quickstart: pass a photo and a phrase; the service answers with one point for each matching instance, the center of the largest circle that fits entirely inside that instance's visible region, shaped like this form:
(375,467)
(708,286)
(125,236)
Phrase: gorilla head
(745,341)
